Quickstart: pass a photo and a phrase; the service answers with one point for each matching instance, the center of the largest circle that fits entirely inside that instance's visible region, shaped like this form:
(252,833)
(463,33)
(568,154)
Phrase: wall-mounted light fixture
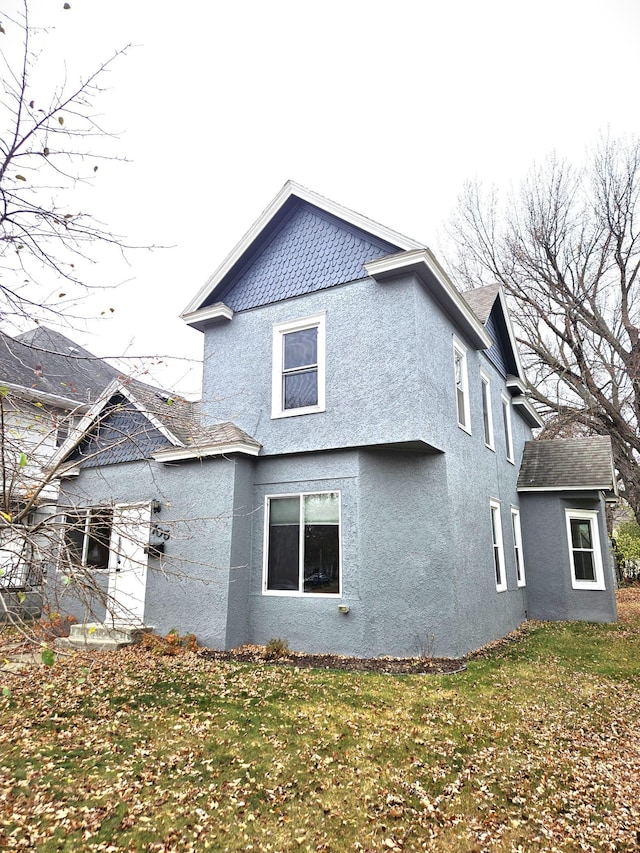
(343,608)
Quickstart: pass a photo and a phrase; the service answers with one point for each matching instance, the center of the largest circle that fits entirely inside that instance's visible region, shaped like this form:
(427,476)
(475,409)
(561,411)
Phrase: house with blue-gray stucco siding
(351,480)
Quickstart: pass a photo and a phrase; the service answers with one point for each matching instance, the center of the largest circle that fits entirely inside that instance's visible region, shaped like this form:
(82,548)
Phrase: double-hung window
(86,538)
(298,377)
(302,544)
(462,385)
(517,545)
(506,420)
(498,548)
(487,417)
(584,549)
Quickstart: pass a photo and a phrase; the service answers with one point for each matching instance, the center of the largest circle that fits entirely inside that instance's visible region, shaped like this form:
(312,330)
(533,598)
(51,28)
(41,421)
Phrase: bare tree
(566,249)
(51,142)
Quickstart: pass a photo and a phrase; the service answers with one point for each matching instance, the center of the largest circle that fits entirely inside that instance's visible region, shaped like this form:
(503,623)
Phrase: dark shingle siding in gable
(495,352)
(312,251)
(567,463)
(124,435)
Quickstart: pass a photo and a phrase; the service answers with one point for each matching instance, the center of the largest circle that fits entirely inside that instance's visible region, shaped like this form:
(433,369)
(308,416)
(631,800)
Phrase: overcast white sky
(385,107)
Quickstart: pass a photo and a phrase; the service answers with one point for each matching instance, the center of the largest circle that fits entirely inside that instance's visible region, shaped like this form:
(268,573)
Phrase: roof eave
(178,454)
(423,264)
(528,411)
(209,316)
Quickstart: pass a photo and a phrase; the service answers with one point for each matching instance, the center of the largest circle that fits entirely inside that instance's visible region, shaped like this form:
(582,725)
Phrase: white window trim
(299,593)
(485,388)
(517,546)
(494,505)
(592,517)
(460,350)
(277,395)
(506,408)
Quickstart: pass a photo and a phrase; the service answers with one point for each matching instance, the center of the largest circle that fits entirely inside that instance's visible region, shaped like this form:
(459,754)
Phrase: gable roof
(45,364)
(293,218)
(584,464)
(138,421)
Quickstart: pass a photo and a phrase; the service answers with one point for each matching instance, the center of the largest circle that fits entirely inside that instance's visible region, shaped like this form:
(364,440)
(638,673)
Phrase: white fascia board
(529,413)
(178,454)
(117,386)
(77,433)
(591,488)
(516,385)
(218,313)
(32,394)
(424,264)
(511,333)
(288,190)
(153,420)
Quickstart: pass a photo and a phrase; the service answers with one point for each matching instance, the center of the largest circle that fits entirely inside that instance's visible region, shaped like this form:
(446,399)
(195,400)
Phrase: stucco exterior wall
(546,550)
(188,586)
(388,369)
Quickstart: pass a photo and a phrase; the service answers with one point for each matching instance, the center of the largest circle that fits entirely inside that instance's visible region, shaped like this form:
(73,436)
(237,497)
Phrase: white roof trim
(292,189)
(31,394)
(424,263)
(211,314)
(526,404)
(511,333)
(117,386)
(591,488)
(178,454)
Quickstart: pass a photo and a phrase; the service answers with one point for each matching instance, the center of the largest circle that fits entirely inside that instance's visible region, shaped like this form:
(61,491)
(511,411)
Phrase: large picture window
(86,538)
(584,549)
(298,367)
(302,544)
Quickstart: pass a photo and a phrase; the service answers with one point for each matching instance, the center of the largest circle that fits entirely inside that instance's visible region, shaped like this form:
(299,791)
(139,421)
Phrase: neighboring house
(360,476)
(47,382)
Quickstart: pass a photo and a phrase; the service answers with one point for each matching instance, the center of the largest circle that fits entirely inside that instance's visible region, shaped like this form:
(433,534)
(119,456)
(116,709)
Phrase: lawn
(536,746)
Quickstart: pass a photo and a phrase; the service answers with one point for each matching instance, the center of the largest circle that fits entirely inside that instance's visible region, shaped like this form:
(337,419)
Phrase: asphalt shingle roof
(481,300)
(47,361)
(568,463)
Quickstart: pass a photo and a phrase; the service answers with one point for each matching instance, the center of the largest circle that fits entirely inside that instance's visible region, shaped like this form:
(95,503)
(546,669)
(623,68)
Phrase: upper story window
(302,544)
(506,420)
(487,417)
(298,367)
(584,549)
(462,385)
(498,547)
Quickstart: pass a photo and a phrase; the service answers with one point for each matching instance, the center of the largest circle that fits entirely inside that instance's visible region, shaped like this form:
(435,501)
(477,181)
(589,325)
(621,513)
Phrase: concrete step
(94,635)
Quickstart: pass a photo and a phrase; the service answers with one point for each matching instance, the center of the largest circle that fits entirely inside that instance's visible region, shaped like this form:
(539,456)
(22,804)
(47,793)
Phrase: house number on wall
(160,532)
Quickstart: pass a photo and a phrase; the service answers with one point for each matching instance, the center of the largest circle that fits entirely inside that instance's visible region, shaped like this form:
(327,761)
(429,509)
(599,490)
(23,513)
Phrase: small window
(498,549)
(298,367)
(302,544)
(506,420)
(584,549)
(462,385)
(487,417)
(86,538)
(517,546)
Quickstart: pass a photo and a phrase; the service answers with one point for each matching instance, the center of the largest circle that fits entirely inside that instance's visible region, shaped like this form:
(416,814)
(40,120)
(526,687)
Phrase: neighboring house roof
(132,421)
(46,365)
(584,464)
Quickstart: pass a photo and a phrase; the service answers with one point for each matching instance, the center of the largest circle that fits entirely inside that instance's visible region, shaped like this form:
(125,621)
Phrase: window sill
(290,413)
